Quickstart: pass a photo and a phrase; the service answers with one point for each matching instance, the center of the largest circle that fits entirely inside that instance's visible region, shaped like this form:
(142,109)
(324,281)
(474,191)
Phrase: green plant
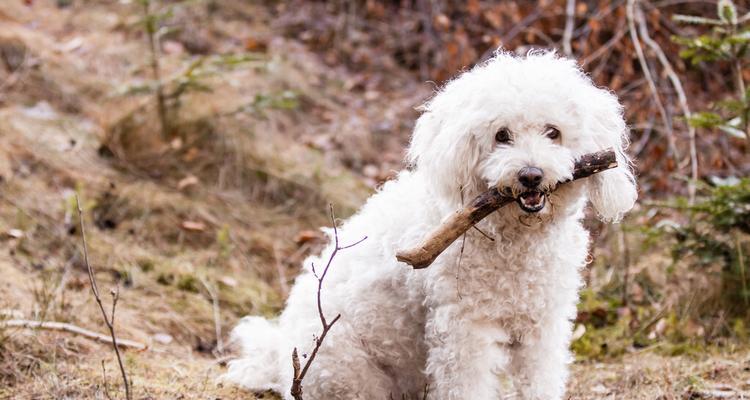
(718,233)
(285,100)
(151,22)
(727,42)
(168,91)
(224,241)
(188,283)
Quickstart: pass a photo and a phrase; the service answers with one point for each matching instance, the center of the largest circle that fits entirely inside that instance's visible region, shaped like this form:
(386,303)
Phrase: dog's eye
(552,132)
(502,135)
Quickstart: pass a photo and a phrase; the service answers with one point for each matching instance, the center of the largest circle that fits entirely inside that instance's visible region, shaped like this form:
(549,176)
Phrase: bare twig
(109,321)
(675,80)
(570,14)
(520,27)
(296,391)
(70,328)
(299,373)
(486,236)
(461,253)
(630,11)
(458,266)
(606,48)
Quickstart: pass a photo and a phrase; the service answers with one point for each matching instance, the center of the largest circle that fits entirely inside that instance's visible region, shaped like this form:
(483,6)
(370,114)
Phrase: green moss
(739,329)
(688,348)
(125,276)
(165,279)
(224,241)
(600,343)
(188,283)
(145,264)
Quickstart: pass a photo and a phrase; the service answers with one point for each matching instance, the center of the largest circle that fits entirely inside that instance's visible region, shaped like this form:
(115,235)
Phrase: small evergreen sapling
(726,42)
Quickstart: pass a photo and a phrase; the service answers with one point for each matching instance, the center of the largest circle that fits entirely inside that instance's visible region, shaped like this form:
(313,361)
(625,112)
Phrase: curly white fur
(506,310)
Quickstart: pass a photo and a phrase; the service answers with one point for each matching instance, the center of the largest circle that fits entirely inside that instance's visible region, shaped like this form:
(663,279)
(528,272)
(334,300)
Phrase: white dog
(501,307)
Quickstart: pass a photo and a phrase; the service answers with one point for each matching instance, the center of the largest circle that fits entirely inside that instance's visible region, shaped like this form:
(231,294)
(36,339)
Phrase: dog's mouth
(532,201)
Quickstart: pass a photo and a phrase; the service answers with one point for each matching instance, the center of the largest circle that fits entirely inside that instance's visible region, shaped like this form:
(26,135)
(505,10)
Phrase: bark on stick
(483,205)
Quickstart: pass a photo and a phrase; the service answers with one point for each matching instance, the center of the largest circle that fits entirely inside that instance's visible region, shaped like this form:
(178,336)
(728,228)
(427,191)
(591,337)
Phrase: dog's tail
(258,366)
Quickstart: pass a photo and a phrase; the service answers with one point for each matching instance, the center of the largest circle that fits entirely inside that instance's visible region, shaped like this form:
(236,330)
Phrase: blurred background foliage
(206,137)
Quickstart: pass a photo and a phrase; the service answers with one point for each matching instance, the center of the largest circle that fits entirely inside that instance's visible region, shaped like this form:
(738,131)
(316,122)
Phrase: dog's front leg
(539,363)
(463,357)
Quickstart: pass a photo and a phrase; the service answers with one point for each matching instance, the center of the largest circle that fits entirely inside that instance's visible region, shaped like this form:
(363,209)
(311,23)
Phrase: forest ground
(200,231)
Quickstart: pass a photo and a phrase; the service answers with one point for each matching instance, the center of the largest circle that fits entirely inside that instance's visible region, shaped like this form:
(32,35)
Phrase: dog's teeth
(532,201)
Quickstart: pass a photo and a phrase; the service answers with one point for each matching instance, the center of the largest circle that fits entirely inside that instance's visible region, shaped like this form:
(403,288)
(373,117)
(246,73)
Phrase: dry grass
(646,375)
(51,366)
(154,238)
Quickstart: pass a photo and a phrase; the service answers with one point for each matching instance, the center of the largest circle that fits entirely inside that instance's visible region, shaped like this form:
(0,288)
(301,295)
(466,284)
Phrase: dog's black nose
(530,177)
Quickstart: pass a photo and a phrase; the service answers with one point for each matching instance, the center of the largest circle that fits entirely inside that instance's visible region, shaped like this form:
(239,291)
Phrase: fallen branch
(300,372)
(671,143)
(681,97)
(70,328)
(570,15)
(483,205)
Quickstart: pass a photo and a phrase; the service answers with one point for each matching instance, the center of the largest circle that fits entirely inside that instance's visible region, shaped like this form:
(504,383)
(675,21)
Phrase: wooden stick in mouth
(483,205)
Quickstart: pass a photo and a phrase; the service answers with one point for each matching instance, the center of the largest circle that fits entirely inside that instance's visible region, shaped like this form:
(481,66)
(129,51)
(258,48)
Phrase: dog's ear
(445,152)
(612,192)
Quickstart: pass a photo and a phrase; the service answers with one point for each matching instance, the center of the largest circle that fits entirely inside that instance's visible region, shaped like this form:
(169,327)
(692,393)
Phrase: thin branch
(570,14)
(70,328)
(675,80)
(630,7)
(115,297)
(353,244)
(296,391)
(606,47)
(521,26)
(458,266)
(299,373)
(461,252)
(488,237)
(95,289)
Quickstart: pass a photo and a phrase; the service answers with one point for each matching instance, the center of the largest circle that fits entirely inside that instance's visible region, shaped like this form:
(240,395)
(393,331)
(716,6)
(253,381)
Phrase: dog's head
(520,122)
